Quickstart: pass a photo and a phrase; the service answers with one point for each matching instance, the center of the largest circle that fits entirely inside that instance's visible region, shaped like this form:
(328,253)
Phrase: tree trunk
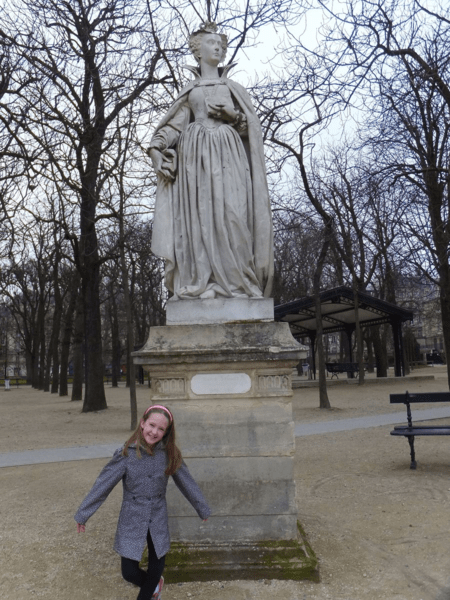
(48,365)
(130,333)
(77,360)
(347,344)
(370,357)
(379,347)
(94,392)
(324,401)
(358,336)
(55,358)
(42,357)
(115,341)
(57,314)
(67,335)
(406,362)
(29,362)
(445,311)
(127,362)
(36,347)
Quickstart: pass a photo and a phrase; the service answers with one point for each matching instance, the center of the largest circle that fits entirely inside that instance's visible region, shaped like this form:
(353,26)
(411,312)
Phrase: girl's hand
(80,528)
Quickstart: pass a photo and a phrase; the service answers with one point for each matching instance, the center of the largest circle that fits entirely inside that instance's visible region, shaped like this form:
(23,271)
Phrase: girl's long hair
(168,441)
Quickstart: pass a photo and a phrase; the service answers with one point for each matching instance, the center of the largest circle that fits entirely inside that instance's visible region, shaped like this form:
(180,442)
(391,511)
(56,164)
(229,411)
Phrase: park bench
(335,368)
(410,431)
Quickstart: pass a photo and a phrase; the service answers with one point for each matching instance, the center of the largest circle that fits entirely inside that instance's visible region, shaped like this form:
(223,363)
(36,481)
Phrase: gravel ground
(378,528)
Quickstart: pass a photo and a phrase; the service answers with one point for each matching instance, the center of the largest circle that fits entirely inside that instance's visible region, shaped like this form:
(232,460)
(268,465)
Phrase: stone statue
(212,222)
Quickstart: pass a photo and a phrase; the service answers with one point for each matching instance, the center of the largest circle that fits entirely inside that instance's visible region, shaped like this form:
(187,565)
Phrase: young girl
(144,465)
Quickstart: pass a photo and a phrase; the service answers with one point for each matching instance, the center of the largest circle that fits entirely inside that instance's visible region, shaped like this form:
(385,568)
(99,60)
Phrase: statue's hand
(225,112)
(164,163)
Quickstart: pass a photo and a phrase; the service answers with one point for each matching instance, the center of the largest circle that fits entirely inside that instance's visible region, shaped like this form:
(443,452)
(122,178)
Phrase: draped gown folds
(213,222)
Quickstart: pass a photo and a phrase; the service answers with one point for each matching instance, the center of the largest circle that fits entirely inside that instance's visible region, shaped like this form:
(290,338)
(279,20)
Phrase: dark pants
(146,581)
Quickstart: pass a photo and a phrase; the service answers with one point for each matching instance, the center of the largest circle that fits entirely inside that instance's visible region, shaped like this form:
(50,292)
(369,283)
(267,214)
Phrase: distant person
(144,465)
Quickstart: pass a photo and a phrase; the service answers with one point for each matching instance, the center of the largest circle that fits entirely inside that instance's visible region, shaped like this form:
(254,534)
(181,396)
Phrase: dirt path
(378,528)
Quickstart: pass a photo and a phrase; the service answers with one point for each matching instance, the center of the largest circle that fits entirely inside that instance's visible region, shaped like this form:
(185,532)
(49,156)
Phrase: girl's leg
(154,572)
(149,580)
(132,573)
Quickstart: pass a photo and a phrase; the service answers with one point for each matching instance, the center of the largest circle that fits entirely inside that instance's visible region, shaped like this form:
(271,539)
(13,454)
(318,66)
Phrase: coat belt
(130,497)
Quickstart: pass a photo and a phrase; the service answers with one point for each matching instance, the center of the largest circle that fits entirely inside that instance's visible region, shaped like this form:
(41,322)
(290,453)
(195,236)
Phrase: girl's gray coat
(144,499)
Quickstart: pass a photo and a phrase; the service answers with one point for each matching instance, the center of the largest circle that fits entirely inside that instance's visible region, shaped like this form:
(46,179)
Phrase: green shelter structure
(338,314)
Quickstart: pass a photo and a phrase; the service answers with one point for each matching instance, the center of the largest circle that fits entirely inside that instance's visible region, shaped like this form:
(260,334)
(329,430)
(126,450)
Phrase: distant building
(422,297)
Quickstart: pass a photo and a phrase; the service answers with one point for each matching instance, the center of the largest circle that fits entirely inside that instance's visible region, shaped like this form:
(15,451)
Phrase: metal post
(312,338)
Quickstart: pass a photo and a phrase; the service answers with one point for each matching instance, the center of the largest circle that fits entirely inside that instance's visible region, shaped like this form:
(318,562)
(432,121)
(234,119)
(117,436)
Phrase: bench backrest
(410,398)
(342,366)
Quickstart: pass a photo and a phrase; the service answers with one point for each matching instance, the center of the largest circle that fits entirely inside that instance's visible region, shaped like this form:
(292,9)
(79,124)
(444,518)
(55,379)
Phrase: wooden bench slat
(420,431)
(413,398)
(423,426)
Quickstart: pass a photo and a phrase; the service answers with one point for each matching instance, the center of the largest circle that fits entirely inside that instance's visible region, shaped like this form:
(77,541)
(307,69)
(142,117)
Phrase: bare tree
(79,68)
(392,58)
(82,65)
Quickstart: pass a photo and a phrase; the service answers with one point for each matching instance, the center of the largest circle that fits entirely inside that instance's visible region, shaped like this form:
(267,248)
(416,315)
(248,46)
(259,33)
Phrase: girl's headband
(162,408)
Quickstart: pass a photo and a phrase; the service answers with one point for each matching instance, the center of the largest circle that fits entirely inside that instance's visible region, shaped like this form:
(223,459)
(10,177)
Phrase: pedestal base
(226,562)
(229,387)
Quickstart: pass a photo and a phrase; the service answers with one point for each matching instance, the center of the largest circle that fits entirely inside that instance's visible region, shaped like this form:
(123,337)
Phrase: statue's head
(206,28)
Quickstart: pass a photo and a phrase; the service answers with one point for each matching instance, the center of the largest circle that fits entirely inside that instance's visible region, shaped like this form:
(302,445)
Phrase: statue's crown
(207,27)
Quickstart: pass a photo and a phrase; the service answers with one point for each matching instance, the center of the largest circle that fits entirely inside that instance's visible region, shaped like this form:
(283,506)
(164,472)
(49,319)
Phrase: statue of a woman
(212,221)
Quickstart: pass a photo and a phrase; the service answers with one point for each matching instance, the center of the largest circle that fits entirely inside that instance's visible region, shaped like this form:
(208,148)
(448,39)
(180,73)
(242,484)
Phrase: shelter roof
(338,312)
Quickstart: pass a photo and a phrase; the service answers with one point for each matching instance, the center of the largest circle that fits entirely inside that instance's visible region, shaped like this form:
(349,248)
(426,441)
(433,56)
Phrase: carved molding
(273,382)
(170,387)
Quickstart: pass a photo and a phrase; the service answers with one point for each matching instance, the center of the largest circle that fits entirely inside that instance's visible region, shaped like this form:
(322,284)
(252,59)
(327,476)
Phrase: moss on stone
(266,559)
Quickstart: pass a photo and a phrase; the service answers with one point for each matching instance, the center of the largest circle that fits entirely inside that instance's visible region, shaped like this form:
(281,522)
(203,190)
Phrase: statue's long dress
(212,205)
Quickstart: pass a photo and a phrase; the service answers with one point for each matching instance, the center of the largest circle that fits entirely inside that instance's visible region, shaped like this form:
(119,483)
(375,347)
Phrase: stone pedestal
(217,311)
(229,387)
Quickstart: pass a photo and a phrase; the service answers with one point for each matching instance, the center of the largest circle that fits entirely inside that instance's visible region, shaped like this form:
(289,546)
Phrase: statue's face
(210,49)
